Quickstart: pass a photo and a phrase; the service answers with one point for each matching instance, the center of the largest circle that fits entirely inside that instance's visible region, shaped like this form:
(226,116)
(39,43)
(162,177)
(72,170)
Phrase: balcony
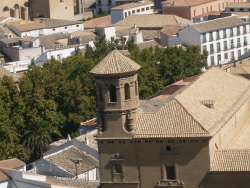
(239,44)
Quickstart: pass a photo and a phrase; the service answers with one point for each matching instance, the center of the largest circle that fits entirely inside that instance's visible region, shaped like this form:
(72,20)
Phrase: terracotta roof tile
(153,20)
(97,21)
(171,120)
(115,63)
(187,2)
(217,24)
(131,5)
(231,161)
(63,159)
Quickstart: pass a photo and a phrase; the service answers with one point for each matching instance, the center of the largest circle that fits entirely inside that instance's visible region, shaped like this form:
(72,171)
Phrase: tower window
(112,93)
(118,168)
(170,172)
(136,89)
(100,92)
(127,91)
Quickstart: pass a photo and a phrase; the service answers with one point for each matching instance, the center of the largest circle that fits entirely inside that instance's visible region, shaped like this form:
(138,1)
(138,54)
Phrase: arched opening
(6,8)
(100,92)
(16,6)
(136,89)
(112,93)
(127,91)
(26,4)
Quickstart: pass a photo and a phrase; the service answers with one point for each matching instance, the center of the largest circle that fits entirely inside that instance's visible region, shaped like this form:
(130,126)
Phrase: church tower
(118,97)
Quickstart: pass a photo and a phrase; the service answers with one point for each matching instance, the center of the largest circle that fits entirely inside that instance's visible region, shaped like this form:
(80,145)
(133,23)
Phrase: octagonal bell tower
(117,95)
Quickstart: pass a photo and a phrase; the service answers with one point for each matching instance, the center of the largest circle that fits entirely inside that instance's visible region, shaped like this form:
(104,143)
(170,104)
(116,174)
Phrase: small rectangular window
(133,11)
(170,172)
(143,9)
(65,27)
(138,10)
(152,7)
(118,168)
(147,8)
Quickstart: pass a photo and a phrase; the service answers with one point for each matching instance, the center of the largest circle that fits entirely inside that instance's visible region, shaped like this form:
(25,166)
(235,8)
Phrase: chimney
(134,25)
(86,141)
(68,138)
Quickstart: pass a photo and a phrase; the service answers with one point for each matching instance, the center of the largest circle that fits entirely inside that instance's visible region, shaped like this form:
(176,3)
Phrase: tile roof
(131,5)
(9,163)
(152,20)
(48,41)
(214,85)
(4,71)
(148,44)
(171,120)
(97,21)
(188,3)
(219,23)
(25,25)
(122,30)
(190,104)
(52,23)
(85,35)
(63,159)
(171,30)
(115,63)
(76,183)
(12,163)
(232,160)
(207,14)
(150,34)
(238,5)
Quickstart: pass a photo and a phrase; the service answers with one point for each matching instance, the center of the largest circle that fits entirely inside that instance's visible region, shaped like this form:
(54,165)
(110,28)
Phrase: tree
(37,137)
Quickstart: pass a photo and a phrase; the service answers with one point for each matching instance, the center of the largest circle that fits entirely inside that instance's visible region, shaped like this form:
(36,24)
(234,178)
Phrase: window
(232,43)
(244,29)
(241,9)
(204,37)
(218,58)
(239,54)
(225,56)
(129,13)
(211,48)
(77,25)
(138,10)
(231,32)
(152,7)
(170,171)
(245,50)
(133,11)
(168,148)
(231,9)
(232,55)
(224,33)
(212,60)
(225,45)
(147,8)
(112,93)
(65,27)
(126,14)
(218,47)
(204,48)
(218,35)
(53,29)
(118,168)
(127,91)
(245,41)
(238,30)
(238,42)
(6,8)
(61,1)
(100,92)
(210,36)
(136,89)
(143,9)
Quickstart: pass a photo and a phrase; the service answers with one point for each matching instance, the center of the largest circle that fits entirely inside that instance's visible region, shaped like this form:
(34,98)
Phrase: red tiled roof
(97,21)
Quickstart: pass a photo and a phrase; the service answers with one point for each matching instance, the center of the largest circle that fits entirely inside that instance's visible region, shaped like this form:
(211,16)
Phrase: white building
(122,11)
(44,26)
(13,174)
(225,39)
(238,7)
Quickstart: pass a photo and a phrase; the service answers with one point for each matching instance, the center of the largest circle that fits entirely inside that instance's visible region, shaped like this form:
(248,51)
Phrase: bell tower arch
(117,95)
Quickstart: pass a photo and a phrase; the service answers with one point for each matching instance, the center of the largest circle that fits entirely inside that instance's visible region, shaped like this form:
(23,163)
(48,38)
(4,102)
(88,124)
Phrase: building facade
(122,11)
(14,8)
(189,9)
(225,39)
(173,139)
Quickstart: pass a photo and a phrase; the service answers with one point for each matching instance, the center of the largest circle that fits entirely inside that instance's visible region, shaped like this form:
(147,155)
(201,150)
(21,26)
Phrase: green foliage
(52,100)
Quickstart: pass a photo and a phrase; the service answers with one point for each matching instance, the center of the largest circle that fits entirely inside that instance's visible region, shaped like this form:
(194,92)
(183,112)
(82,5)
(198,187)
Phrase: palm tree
(37,137)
